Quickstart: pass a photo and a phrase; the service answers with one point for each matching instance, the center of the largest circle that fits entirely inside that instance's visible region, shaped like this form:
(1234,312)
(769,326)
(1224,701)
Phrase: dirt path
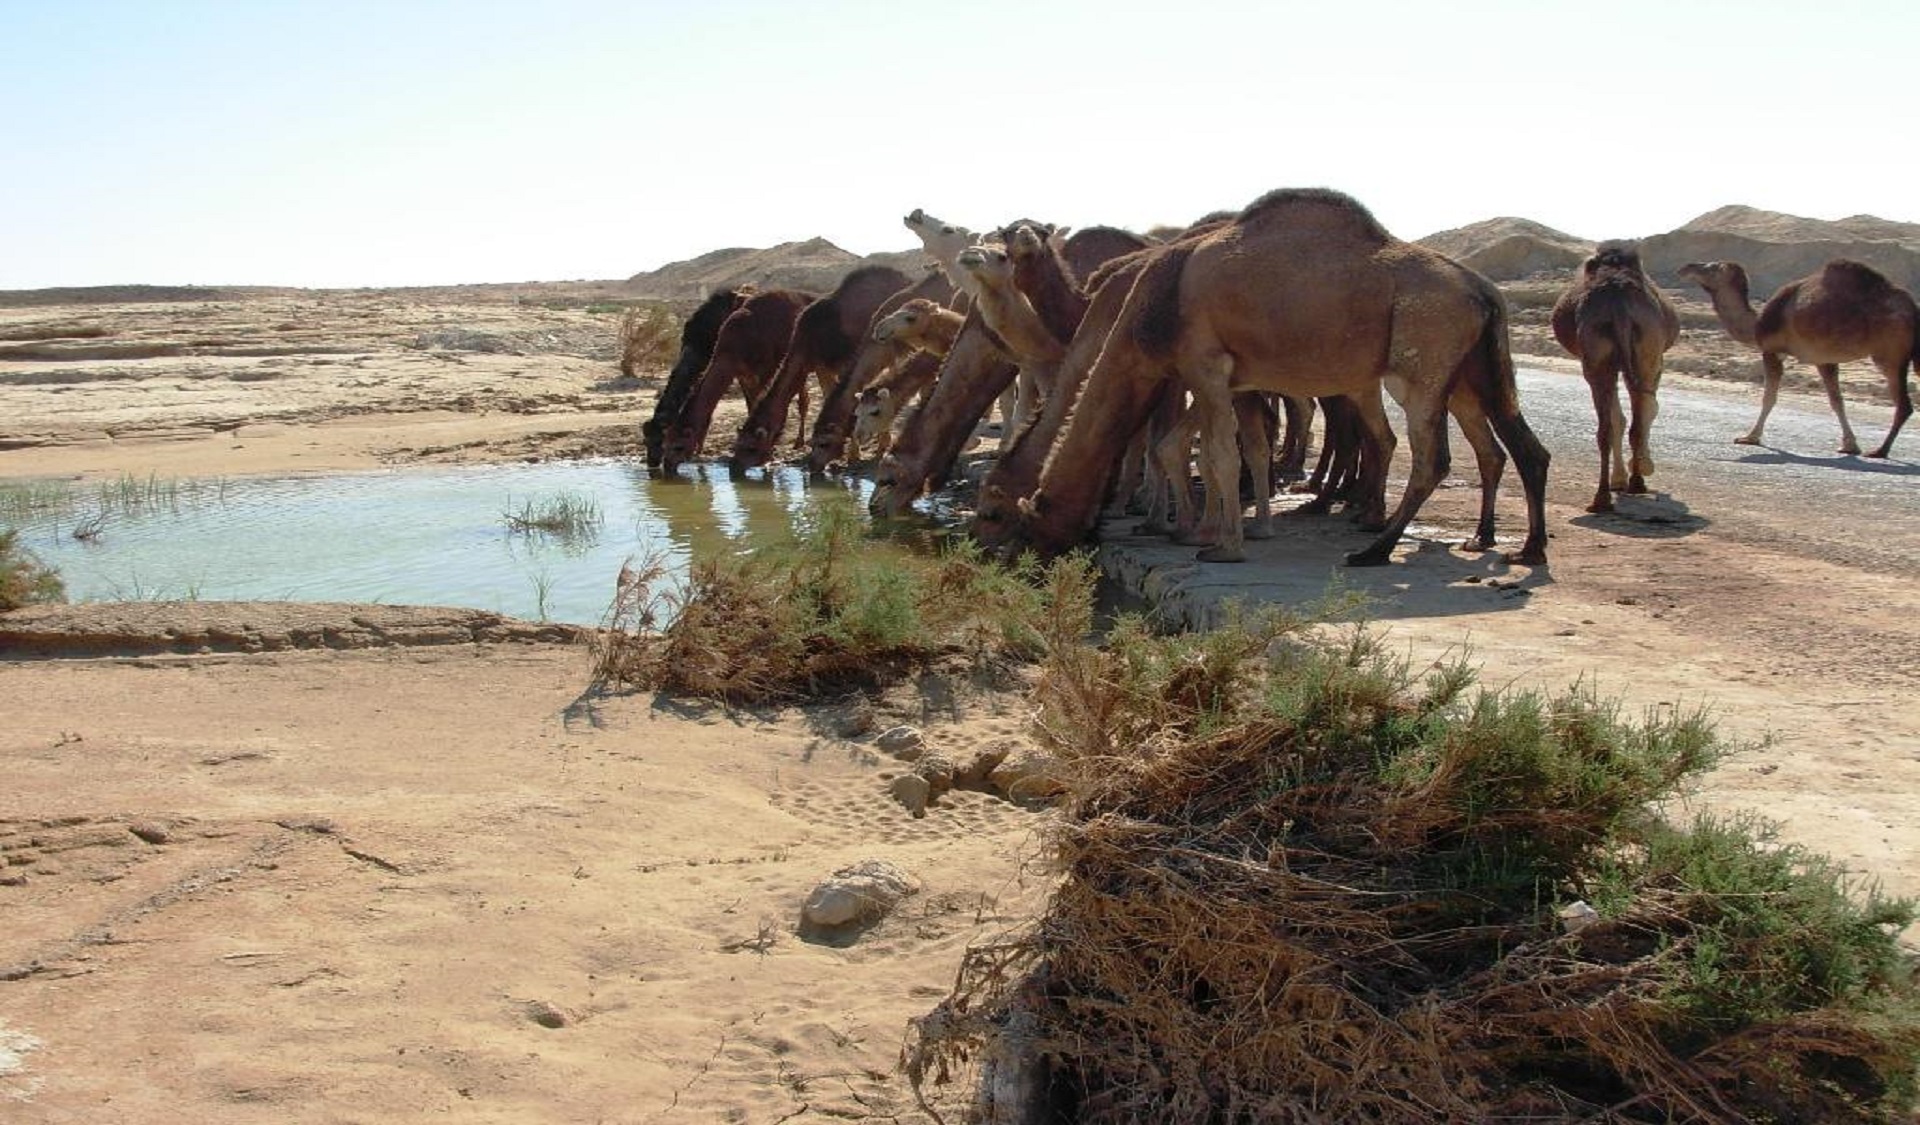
(348,885)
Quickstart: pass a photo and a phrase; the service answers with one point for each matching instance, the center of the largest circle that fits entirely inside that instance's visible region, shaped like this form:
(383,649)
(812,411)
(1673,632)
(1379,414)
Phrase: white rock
(860,893)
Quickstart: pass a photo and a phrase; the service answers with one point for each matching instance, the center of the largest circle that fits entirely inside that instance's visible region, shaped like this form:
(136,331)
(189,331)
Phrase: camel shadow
(1846,462)
(1653,515)
(1302,568)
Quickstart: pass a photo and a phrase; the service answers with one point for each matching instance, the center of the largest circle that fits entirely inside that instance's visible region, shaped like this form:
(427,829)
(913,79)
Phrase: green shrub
(23,580)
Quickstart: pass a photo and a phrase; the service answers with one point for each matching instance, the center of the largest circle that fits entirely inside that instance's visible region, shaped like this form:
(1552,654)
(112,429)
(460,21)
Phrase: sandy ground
(364,885)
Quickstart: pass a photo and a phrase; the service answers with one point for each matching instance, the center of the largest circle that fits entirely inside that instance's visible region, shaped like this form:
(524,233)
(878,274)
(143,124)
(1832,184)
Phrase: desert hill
(814,264)
(1776,248)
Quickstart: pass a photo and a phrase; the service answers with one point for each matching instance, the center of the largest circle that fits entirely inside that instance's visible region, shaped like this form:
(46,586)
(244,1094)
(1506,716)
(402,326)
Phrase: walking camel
(1615,321)
(1844,311)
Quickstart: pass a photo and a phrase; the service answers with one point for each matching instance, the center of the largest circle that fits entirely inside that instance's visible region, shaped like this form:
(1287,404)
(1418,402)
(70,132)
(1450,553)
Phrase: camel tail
(1156,297)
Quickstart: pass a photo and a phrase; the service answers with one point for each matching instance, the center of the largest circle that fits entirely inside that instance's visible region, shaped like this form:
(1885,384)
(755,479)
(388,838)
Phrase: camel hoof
(1851,449)
(1746,439)
(1636,486)
(1600,506)
(1527,556)
(1258,531)
(1476,546)
(1222,555)
(1369,557)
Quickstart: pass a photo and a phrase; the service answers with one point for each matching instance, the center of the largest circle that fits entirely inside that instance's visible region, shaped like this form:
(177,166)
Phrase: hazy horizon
(374,145)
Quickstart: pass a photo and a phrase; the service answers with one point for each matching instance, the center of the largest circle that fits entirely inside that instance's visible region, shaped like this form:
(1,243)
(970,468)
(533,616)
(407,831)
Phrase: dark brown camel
(697,337)
(1304,294)
(751,344)
(825,341)
(1616,322)
(1845,311)
(874,358)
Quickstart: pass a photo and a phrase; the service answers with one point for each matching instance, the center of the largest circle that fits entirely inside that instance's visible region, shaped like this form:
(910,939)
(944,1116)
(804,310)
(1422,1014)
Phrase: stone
(1028,775)
(151,831)
(912,791)
(903,742)
(939,771)
(985,760)
(862,893)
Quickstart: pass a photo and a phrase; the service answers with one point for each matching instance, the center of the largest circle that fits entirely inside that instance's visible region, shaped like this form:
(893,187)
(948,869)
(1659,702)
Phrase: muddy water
(406,537)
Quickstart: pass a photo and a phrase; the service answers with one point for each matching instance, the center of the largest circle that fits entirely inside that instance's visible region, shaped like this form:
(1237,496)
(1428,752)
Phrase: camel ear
(883,394)
(1029,505)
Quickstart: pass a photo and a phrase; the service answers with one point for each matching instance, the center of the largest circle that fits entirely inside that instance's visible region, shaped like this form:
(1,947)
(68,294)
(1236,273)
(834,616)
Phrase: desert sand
(425,881)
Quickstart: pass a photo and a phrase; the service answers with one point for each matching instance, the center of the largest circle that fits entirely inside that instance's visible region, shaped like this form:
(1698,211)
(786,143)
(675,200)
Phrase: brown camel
(874,358)
(697,337)
(1845,311)
(825,341)
(1304,293)
(974,375)
(751,344)
(1616,322)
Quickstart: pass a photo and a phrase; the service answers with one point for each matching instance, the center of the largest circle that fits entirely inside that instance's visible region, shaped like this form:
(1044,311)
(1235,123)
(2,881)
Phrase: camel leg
(1487,457)
(1606,435)
(1427,438)
(1219,455)
(1375,453)
(1896,376)
(1291,462)
(1769,394)
(1646,407)
(1256,451)
(1830,378)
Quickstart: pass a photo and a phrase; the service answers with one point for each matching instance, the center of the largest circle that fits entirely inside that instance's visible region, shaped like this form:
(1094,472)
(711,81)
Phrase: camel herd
(1122,362)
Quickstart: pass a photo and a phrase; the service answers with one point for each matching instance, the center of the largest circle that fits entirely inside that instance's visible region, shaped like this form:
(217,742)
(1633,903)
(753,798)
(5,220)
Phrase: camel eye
(946,230)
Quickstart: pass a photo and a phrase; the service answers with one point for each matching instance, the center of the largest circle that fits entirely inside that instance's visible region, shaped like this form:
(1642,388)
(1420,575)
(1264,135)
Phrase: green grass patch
(822,612)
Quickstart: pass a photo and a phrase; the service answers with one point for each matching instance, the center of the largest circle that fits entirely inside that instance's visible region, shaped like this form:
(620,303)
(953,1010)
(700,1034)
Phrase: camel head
(676,449)
(905,320)
(1716,277)
(988,265)
(889,499)
(828,444)
(653,438)
(996,518)
(1025,242)
(872,414)
(942,240)
(752,448)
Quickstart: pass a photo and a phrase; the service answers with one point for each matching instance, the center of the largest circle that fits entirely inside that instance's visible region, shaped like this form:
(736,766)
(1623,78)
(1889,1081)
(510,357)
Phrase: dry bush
(820,614)
(649,338)
(1301,883)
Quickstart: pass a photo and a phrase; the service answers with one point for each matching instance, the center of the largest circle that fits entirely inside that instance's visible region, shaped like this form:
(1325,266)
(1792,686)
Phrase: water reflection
(411,536)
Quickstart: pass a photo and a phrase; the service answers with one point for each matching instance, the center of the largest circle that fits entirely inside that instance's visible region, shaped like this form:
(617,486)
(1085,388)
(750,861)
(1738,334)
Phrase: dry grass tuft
(1301,883)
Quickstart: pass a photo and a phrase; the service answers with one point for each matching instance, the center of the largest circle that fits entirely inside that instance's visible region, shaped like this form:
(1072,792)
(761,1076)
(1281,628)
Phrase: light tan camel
(1010,315)
(1304,293)
(944,243)
(1616,322)
(920,326)
(1845,311)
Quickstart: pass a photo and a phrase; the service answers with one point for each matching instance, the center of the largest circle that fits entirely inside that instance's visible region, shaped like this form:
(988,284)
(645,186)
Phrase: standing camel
(1304,293)
(1616,322)
(1843,312)
(697,339)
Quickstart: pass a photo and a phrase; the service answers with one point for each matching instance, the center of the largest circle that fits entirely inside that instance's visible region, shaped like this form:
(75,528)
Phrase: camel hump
(1316,206)
(1615,256)
(1156,294)
(1854,276)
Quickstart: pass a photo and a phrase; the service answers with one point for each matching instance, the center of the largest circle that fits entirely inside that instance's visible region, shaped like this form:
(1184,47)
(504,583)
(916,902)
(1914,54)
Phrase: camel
(697,337)
(944,243)
(1616,322)
(1845,311)
(918,326)
(1306,294)
(874,358)
(826,339)
(1017,324)
(750,346)
(974,375)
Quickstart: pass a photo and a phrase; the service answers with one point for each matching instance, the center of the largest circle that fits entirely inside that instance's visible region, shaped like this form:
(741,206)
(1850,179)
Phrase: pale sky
(405,142)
